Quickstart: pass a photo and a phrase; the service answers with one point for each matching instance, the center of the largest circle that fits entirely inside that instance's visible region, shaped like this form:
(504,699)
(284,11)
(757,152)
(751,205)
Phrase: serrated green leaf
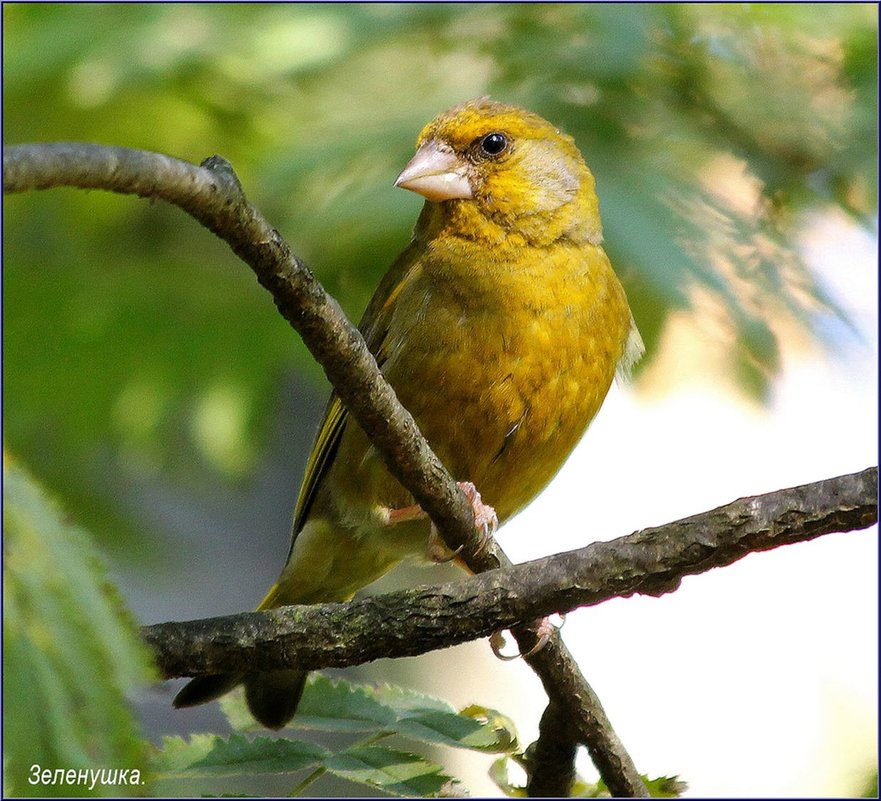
(176,754)
(405,701)
(435,721)
(70,651)
(392,771)
(665,786)
(661,787)
(345,707)
(329,705)
(459,731)
(239,755)
(444,728)
(210,755)
(503,727)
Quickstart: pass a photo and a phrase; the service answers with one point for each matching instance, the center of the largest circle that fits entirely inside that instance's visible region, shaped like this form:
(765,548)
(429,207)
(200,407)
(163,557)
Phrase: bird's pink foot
(486,522)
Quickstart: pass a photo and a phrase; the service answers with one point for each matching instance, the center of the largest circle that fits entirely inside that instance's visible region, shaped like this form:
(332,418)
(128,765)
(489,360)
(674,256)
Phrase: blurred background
(151,385)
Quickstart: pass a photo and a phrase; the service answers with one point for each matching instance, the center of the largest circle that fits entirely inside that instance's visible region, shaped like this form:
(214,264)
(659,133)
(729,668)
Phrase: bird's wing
(326,443)
(374,328)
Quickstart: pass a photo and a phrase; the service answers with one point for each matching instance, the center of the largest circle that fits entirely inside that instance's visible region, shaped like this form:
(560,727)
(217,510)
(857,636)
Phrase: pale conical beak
(436,173)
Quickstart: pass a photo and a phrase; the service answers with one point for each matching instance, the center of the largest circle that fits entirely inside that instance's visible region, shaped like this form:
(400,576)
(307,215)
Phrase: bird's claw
(437,548)
(486,521)
(496,643)
(544,632)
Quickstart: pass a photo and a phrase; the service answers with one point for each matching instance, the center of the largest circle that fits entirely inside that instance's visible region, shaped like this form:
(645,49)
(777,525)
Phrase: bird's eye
(493,144)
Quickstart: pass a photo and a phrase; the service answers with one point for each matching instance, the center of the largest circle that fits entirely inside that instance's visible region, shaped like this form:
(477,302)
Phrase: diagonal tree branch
(213,195)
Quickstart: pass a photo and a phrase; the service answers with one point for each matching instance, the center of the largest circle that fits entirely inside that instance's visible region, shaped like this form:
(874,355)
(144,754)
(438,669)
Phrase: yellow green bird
(500,327)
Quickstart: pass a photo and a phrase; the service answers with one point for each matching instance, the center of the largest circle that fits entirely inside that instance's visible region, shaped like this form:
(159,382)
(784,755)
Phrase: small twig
(313,777)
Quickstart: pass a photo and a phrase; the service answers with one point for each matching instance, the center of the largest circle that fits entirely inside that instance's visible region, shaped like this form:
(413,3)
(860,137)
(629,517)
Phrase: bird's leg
(485,521)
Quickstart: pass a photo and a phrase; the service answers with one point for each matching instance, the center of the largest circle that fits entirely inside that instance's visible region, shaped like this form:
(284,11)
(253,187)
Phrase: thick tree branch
(651,561)
(411,622)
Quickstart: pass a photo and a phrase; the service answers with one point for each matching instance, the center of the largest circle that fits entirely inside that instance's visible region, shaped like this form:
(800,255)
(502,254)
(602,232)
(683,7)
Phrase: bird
(500,326)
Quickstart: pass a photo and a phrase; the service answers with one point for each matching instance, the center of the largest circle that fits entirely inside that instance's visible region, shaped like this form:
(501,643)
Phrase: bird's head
(510,166)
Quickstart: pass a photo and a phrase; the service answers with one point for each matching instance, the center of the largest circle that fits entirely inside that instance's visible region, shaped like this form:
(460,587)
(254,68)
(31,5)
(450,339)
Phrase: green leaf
(499,773)
(70,651)
(435,721)
(177,754)
(210,755)
(661,787)
(338,705)
(394,772)
(503,727)
(329,705)
(476,728)
(405,701)
(665,786)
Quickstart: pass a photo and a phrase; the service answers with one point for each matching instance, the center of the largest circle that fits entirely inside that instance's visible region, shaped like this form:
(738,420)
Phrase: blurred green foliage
(70,652)
(134,339)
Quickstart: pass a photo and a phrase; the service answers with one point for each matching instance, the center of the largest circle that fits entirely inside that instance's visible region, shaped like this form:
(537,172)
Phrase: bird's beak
(436,173)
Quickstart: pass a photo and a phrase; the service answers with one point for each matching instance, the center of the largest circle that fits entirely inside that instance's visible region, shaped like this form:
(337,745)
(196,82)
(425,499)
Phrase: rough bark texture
(410,622)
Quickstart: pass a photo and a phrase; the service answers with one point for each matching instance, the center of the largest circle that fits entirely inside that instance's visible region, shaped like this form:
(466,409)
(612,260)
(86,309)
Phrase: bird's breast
(504,375)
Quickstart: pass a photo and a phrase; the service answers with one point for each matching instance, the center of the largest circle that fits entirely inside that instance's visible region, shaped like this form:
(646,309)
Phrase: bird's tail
(203,689)
(272,696)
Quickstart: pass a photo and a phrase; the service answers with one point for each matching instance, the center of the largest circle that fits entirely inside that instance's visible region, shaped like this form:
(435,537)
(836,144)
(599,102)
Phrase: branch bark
(552,768)
(411,622)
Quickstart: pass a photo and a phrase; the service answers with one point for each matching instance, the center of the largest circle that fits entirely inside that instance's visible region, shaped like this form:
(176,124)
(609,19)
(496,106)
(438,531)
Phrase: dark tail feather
(203,689)
(273,697)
